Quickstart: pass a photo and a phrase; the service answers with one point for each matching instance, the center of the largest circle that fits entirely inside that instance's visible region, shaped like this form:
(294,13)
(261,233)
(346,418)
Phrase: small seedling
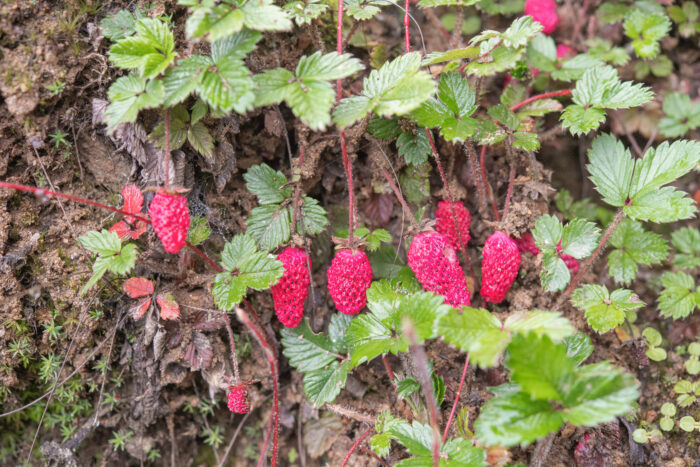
(654,352)
(687,392)
(643,436)
(120,439)
(59,138)
(56,88)
(688,424)
(692,365)
(668,410)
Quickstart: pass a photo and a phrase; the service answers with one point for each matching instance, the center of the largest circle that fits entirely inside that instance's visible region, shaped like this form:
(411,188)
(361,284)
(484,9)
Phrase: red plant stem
(272,361)
(483,55)
(487,187)
(43,192)
(405,26)
(450,198)
(396,191)
(389,371)
(564,92)
(454,404)
(371,453)
(480,189)
(588,263)
(355,445)
(266,442)
(167,148)
(347,165)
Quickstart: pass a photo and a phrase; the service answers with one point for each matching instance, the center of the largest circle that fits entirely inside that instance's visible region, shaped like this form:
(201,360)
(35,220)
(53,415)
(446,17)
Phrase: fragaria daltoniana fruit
(499,267)
(349,277)
(238,399)
(434,262)
(171,220)
(544,12)
(444,223)
(290,292)
(564,50)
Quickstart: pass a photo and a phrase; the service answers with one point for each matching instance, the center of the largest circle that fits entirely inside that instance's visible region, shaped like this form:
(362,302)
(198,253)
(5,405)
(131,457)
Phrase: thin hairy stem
(297,189)
(167,148)
(395,189)
(456,401)
(478,182)
(457,31)
(352,414)
(482,164)
(355,445)
(389,371)
(233,439)
(271,356)
(511,176)
(232,341)
(564,92)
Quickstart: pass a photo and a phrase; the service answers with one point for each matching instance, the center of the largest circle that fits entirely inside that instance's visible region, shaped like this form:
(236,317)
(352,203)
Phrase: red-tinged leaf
(199,352)
(133,201)
(169,309)
(122,229)
(140,229)
(378,208)
(137,311)
(136,287)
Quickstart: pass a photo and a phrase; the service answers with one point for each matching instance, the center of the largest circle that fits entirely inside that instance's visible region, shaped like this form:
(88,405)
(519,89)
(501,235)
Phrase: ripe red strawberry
(564,51)
(238,399)
(499,267)
(434,262)
(544,12)
(349,277)
(445,223)
(289,294)
(171,219)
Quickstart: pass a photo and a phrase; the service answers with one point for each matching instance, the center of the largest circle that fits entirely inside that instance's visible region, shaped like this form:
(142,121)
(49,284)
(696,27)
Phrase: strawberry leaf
(133,201)
(677,299)
(240,247)
(604,310)
(269,225)
(687,242)
(216,20)
(150,50)
(118,26)
(634,246)
(104,243)
(136,287)
(169,308)
(323,385)
(130,94)
(267,184)
(199,230)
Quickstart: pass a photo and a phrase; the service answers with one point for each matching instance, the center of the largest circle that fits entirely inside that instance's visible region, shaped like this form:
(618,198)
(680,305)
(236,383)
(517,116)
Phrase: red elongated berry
(349,277)
(238,399)
(564,51)
(290,292)
(171,220)
(434,262)
(544,12)
(499,267)
(444,223)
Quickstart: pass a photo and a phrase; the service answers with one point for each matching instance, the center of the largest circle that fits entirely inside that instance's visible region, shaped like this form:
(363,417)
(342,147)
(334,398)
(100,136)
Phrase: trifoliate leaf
(687,241)
(605,311)
(304,13)
(611,166)
(677,299)
(118,26)
(634,246)
(150,50)
(270,225)
(313,219)
(603,50)
(548,232)
(526,141)
(580,120)
(130,94)
(579,238)
(336,331)
(682,115)
(395,89)
(646,30)
(267,184)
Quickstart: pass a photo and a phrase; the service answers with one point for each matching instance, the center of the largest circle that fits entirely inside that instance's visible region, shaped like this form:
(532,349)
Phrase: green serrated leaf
(611,166)
(150,50)
(580,120)
(336,331)
(555,275)
(634,246)
(104,243)
(306,350)
(228,291)
(414,147)
(526,141)
(547,233)
(240,247)
(677,299)
(605,311)
(199,230)
(476,331)
(313,219)
(578,347)
(304,13)
(323,386)
(663,165)
(579,238)
(267,184)
(687,241)
(130,94)
(663,205)
(646,30)
(118,26)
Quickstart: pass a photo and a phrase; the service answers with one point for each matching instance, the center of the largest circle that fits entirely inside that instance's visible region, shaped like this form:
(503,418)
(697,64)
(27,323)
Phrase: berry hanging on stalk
(170,218)
(499,267)
(349,277)
(433,260)
(445,224)
(238,399)
(290,292)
